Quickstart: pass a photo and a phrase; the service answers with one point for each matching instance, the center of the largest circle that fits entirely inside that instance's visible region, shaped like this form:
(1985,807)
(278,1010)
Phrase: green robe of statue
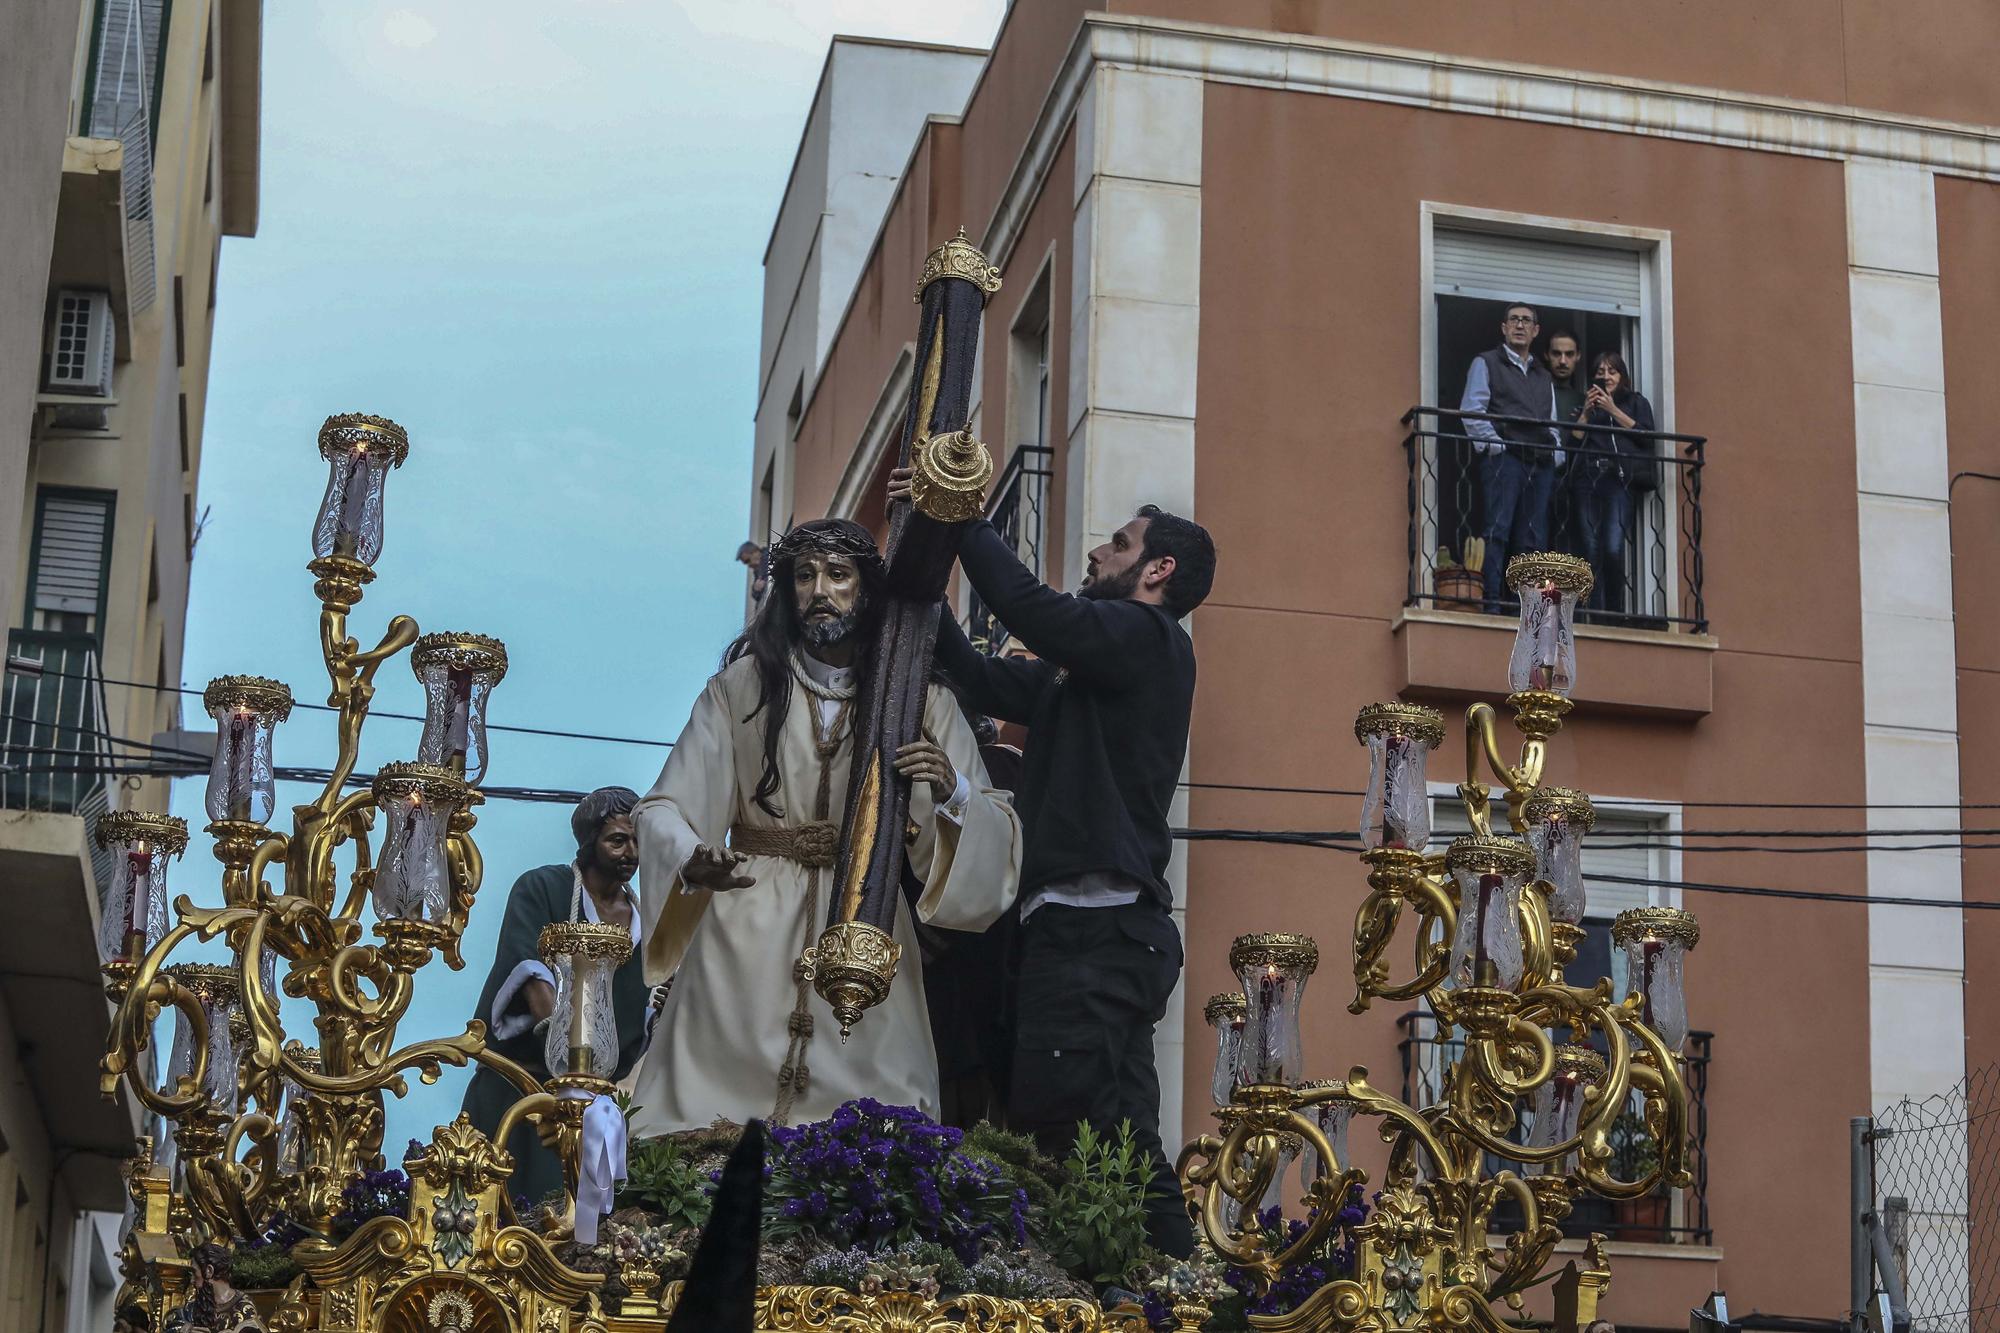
(539,898)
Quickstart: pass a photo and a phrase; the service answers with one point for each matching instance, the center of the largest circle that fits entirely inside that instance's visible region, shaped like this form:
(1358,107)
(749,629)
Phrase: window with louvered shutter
(1499,267)
(72,550)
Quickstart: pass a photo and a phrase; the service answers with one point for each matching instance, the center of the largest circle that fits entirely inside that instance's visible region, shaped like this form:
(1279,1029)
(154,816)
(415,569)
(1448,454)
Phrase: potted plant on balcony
(1460,582)
(1633,1155)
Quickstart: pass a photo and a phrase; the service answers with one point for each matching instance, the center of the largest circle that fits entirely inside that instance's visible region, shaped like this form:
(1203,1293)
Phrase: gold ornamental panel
(948,477)
(1277,948)
(958,258)
(359,430)
(1413,721)
(256,694)
(1566,572)
(1660,923)
(168,832)
(465,652)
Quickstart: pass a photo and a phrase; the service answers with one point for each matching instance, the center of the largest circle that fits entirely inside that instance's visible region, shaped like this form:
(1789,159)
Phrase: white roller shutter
(69,554)
(1497,267)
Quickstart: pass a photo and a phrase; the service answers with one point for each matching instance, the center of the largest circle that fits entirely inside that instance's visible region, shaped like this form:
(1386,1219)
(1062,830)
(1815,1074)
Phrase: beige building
(1250,249)
(128,150)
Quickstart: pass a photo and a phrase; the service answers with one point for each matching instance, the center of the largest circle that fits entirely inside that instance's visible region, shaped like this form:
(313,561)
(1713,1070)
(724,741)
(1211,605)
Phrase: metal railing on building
(120,103)
(55,743)
(1656,584)
(1675,1217)
(1019,511)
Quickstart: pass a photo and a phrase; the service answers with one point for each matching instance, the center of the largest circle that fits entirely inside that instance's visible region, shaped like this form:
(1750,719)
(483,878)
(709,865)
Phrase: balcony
(1666,1217)
(55,747)
(54,758)
(1019,511)
(1648,613)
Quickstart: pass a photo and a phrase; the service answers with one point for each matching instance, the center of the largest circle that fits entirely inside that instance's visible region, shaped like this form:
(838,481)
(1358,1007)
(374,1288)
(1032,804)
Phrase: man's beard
(835,630)
(1112,587)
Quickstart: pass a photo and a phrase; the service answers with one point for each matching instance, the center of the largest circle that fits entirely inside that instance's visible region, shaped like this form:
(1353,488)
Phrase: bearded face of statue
(826,592)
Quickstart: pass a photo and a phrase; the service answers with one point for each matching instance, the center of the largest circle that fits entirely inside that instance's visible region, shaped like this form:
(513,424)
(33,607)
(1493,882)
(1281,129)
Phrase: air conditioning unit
(82,340)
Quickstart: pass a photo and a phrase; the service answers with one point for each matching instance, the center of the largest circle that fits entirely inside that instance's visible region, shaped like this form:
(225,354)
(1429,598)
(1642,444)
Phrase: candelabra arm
(426,1057)
(1482,741)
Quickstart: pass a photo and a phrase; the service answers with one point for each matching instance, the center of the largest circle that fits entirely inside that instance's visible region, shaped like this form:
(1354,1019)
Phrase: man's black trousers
(1093,983)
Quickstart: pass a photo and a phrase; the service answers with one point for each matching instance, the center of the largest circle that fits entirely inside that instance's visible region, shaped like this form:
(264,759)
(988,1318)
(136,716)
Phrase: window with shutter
(71,558)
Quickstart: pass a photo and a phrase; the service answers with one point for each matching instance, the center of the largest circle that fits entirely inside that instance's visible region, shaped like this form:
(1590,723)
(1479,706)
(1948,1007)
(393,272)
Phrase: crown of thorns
(827,537)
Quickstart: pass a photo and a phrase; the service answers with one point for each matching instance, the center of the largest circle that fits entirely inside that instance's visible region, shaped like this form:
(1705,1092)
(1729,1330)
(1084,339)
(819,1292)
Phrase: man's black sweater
(1106,707)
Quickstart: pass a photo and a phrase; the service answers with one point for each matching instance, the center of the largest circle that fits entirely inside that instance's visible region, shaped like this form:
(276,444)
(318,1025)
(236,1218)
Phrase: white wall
(873,100)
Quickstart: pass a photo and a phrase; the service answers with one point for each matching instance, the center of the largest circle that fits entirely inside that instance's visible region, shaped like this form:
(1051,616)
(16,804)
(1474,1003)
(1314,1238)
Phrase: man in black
(1106,702)
(1518,462)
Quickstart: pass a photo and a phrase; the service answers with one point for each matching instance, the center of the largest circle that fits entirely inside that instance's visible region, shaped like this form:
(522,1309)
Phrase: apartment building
(129,151)
(1250,250)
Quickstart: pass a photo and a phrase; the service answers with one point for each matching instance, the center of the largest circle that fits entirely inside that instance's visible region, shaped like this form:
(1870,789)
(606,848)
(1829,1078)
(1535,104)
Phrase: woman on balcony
(1606,472)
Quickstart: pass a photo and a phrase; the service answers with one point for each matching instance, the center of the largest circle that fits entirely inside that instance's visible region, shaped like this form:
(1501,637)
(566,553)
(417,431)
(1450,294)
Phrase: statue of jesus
(737,845)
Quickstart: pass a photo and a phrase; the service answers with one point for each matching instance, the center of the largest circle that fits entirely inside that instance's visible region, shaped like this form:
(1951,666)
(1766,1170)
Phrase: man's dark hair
(1512,306)
(776,630)
(1193,551)
(594,810)
(1548,340)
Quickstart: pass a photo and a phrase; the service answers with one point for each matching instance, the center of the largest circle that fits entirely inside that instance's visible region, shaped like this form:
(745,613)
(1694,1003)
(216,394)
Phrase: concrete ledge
(1645,672)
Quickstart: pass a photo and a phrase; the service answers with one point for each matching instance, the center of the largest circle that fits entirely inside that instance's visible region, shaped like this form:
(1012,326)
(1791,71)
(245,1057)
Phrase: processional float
(263,1124)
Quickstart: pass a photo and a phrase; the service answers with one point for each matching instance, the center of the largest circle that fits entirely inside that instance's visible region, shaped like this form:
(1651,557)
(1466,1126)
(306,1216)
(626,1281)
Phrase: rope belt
(814,846)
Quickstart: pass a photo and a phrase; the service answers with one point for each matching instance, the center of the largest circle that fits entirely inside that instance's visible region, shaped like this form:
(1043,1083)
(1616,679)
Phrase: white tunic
(725,1029)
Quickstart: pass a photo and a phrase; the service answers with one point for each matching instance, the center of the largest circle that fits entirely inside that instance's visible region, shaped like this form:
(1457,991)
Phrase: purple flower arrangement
(872,1176)
(1334,1260)
(370,1195)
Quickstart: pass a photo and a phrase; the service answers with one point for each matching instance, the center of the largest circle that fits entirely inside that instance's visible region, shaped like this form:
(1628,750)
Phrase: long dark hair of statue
(775,632)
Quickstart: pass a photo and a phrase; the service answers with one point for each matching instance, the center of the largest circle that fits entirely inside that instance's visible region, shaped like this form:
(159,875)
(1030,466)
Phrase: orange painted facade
(1312,290)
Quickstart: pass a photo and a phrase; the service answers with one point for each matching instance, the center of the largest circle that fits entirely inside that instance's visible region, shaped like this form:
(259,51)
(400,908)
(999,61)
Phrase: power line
(328,708)
(1326,841)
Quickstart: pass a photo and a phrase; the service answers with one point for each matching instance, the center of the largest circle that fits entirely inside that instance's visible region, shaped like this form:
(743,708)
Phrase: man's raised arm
(1089,637)
(1000,687)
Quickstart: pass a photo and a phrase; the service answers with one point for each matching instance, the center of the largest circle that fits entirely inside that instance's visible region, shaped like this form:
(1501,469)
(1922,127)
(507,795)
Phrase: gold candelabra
(241,1091)
(1496,917)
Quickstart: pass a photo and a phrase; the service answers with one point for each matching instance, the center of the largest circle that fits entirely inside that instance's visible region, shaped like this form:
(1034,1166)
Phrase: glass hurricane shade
(583,1029)
(359,451)
(1656,941)
(1396,809)
(216,992)
(1225,1013)
(1558,819)
(1486,949)
(1273,969)
(1558,1105)
(418,802)
(247,709)
(1333,1119)
(1544,654)
(135,899)
(457,672)
(291,1125)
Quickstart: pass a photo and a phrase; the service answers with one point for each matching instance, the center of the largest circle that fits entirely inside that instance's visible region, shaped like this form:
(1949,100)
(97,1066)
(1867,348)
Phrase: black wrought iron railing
(1667,1216)
(1019,510)
(55,743)
(1629,501)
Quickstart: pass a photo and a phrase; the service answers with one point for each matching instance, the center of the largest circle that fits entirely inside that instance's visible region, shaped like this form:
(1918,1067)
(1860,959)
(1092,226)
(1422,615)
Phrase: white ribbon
(600,1167)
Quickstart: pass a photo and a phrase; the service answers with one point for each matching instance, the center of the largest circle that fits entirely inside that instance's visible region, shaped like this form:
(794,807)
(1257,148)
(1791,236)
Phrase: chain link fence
(1936,1169)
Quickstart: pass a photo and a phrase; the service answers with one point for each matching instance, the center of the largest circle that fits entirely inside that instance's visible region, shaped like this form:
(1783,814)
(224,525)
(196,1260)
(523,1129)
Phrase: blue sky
(532,234)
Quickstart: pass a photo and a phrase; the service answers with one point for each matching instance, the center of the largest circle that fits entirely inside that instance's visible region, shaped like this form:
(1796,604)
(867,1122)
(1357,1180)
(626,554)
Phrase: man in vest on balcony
(1518,462)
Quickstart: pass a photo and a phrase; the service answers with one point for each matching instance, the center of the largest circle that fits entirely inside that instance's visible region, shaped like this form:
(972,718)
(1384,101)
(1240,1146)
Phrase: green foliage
(1633,1151)
(1096,1224)
(1039,1174)
(663,1177)
(261,1268)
